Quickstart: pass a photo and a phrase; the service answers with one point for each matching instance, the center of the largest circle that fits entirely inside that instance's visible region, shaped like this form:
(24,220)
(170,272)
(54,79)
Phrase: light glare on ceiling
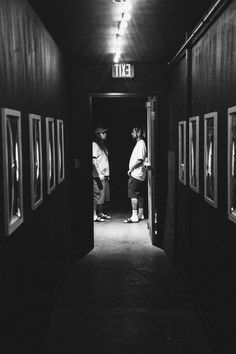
(122,24)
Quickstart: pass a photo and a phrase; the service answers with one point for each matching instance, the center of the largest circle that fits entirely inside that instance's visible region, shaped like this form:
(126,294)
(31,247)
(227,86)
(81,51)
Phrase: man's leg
(101,200)
(95,199)
(132,186)
(94,212)
(134,204)
(140,208)
(96,196)
(104,197)
(100,209)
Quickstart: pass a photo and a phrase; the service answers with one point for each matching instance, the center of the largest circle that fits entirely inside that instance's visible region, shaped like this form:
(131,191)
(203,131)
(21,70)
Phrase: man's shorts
(96,192)
(135,188)
(105,192)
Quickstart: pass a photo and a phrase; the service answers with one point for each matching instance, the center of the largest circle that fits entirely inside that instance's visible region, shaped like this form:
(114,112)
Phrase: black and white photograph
(36,160)
(117,176)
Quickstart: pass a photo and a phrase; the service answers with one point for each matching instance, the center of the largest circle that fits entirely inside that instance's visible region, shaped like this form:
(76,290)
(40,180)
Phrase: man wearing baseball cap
(99,130)
(101,163)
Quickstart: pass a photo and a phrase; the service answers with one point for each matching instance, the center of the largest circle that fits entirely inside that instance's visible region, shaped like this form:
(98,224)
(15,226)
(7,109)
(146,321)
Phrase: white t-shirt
(101,161)
(139,153)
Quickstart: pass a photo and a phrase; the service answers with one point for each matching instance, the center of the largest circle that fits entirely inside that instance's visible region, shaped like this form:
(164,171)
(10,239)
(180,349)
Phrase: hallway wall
(205,240)
(33,258)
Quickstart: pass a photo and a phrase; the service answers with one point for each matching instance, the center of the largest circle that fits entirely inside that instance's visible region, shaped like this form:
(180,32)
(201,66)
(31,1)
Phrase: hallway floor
(124,297)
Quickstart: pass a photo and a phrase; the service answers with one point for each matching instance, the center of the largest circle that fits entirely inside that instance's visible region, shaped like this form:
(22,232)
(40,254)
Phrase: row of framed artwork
(210,157)
(13,163)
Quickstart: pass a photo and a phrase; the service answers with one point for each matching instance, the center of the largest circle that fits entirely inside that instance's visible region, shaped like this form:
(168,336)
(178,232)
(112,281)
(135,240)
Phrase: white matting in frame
(12,169)
(210,158)
(231,169)
(36,161)
(182,152)
(50,152)
(60,151)
(194,153)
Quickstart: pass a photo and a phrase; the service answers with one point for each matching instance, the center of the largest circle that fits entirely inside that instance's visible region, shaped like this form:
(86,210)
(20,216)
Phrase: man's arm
(95,171)
(137,164)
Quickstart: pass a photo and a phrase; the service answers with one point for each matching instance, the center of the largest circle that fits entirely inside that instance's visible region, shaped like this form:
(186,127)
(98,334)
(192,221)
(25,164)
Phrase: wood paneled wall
(205,237)
(33,79)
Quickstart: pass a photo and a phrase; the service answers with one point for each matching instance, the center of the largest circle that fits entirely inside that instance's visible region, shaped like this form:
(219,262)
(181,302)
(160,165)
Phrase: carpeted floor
(124,297)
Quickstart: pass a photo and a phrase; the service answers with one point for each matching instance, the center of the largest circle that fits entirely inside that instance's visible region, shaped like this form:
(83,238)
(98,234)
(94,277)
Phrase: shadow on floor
(124,297)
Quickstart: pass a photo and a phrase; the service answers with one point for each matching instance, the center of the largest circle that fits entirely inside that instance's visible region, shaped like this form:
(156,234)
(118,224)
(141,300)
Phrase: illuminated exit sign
(122,70)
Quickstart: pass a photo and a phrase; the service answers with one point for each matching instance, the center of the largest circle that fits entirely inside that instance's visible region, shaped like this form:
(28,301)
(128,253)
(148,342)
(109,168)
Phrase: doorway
(119,113)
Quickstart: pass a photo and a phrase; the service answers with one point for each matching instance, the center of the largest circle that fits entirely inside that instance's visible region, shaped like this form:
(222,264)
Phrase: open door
(151,168)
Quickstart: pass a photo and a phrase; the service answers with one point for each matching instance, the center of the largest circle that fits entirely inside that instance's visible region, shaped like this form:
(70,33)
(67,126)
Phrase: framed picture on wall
(210,158)
(231,170)
(12,169)
(60,151)
(36,160)
(194,153)
(182,152)
(50,153)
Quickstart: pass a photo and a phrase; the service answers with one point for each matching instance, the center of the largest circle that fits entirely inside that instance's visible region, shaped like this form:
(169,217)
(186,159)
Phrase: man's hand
(99,183)
(138,163)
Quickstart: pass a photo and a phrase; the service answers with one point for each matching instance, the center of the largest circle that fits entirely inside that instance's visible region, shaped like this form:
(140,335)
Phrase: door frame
(108,95)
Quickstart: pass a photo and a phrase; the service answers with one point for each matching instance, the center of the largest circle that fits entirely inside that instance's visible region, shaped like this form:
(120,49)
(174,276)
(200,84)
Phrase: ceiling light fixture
(122,25)
(127,16)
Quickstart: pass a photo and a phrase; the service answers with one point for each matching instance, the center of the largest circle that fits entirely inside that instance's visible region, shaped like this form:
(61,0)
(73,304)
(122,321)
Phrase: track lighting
(127,16)
(122,26)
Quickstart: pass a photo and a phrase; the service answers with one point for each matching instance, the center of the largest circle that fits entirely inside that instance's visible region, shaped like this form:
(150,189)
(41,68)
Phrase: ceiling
(85,29)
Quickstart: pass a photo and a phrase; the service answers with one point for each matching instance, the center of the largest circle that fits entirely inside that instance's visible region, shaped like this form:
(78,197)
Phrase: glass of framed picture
(232,163)
(210,158)
(194,153)
(60,151)
(50,152)
(182,152)
(36,161)
(12,169)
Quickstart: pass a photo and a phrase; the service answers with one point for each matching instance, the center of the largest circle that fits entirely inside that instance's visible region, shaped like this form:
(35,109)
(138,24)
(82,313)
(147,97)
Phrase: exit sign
(122,70)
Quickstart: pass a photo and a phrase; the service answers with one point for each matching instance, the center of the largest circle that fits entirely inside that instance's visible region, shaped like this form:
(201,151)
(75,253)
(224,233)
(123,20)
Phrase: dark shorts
(96,192)
(104,193)
(135,188)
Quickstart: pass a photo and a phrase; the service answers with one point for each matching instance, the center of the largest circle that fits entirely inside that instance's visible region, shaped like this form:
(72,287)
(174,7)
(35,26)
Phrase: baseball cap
(99,130)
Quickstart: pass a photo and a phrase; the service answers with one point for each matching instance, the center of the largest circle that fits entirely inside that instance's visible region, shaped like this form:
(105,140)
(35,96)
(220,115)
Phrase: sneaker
(130,221)
(104,216)
(98,219)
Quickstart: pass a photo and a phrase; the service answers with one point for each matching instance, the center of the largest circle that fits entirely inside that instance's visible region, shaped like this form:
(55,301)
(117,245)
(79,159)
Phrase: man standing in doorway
(137,175)
(101,165)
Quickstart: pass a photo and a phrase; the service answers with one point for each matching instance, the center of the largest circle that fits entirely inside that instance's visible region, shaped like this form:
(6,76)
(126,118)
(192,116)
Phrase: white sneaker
(130,220)
(98,219)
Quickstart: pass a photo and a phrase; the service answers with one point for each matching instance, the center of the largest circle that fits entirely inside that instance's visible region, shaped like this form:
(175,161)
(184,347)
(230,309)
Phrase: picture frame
(50,154)
(231,164)
(210,158)
(194,153)
(36,160)
(60,151)
(182,151)
(12,169)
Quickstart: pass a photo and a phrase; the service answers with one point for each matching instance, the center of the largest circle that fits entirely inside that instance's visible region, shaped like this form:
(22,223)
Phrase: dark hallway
(124,297)
(67,66)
